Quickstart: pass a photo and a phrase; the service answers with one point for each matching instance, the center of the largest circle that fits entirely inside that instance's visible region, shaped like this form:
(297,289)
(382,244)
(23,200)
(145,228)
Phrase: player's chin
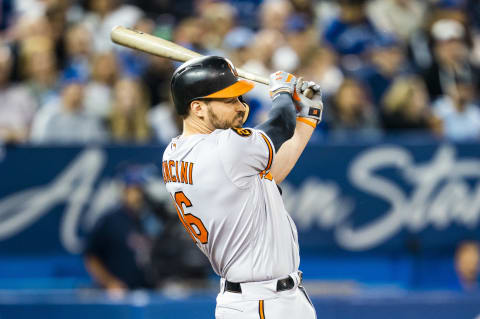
(237,123)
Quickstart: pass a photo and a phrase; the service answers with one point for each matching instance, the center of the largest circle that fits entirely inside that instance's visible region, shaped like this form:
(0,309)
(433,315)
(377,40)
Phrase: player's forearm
(98,271)
(280,125)
(288,155)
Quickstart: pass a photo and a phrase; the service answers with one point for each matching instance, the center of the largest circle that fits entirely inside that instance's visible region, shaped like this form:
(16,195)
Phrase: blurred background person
(385,60)
(399,17)
(219,19)
(322,68)
(17,106)
(164,121)
(350,33)
(65,120)
(103,15)
(451,57)
(467,265)
(39,68)
(301,38)
(349,113)
(405,107)
(273,15)
(459,110)
(78,50)
(178,266)
(118,249)
(157,79)
(128,119)
(99,89)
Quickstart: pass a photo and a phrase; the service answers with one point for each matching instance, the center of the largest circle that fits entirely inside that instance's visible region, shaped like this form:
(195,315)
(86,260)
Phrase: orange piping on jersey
(261,310)
(264,174)
(170,164)
(270,152)
(176,170)
(190,173)
(183,172)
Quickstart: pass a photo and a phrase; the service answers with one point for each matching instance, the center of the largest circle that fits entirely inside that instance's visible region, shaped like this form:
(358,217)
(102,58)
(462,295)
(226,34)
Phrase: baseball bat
(160,47)
(157,46)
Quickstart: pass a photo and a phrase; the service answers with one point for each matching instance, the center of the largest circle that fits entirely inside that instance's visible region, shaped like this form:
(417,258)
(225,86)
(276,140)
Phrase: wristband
(308,121)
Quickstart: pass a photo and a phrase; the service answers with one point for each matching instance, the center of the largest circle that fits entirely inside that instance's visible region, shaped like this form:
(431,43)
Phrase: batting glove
(309,110)
(281,82)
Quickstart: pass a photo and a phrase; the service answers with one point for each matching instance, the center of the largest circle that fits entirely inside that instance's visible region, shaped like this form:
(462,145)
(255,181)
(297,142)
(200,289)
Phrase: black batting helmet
(206,77)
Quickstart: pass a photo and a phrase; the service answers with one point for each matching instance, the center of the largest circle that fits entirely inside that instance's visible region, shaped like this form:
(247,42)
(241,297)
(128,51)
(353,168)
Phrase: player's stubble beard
(224,124)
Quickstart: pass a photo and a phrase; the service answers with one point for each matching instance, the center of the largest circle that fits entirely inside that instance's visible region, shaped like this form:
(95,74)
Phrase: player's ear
(198,108)
(247,109)
(247,112)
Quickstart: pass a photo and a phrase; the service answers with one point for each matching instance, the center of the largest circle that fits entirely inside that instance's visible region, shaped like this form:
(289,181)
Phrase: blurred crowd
(385,66)
(139,243)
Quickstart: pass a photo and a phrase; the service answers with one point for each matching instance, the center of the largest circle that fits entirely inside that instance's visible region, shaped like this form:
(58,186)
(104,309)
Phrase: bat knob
(308,93)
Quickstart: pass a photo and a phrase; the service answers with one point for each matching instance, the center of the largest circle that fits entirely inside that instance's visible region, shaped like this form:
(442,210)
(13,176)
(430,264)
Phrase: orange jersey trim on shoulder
(270,152)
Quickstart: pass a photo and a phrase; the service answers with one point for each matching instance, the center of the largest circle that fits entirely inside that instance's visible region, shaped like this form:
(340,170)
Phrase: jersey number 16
(192,223)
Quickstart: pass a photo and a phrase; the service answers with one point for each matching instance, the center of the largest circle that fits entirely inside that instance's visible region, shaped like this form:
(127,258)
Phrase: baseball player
(223,181)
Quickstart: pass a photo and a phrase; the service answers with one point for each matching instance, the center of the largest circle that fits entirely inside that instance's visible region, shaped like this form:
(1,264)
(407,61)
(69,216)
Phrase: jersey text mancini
(177,172)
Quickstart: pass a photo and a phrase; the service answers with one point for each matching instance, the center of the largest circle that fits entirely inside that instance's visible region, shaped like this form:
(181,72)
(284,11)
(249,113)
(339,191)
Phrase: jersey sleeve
(244,153)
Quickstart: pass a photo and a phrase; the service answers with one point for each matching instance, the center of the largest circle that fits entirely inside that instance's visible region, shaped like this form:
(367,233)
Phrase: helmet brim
(238,88)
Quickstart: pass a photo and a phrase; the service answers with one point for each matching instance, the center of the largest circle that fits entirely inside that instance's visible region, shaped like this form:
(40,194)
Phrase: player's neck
(194,125)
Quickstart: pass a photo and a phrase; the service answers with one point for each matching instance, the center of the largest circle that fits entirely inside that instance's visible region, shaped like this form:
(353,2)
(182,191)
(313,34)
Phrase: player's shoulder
(180,145)
(244,137)
(238,133)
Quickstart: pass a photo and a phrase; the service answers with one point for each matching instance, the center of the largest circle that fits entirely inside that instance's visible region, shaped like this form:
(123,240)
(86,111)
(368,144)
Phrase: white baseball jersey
(227,200)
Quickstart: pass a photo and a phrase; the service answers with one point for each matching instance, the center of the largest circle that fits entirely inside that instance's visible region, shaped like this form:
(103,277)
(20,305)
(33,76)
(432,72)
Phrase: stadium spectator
(399,17)
(351,32)
(17,106)
(259,61)
(103,15)
(117,254)
(473,10)
(157,79)
(6,15)
(99,90)
(64,120)
(128,119)
(190,33)
(405,106)
(236,44)
(177,264)
(273,15)
(386,61)
(305,9)
(164,121)
(134,63)
(451,57)
(39,67)
(458,110)
(219,19)
(322,68)
(178,9)
(351,113)
(467,265)
(301,36)
(78,43)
